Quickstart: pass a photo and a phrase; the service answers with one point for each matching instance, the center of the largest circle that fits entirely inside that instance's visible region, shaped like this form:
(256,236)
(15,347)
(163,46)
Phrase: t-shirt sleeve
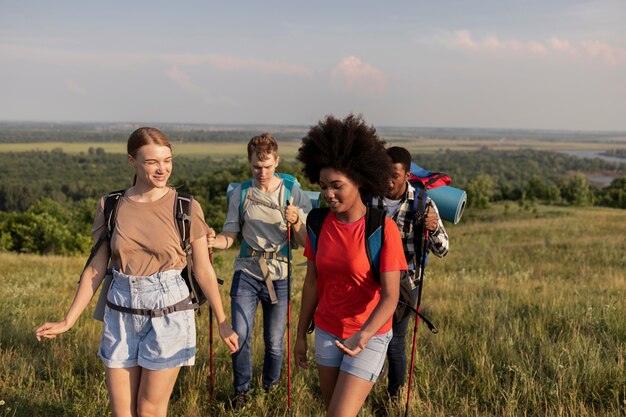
(199,228)
(231,224)
(392,255)
(99,221)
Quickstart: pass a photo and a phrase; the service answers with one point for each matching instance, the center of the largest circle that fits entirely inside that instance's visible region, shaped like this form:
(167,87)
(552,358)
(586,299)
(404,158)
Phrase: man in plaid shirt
(399,206)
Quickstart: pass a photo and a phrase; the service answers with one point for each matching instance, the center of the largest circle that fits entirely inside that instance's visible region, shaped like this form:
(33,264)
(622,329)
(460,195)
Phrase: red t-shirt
(346,287)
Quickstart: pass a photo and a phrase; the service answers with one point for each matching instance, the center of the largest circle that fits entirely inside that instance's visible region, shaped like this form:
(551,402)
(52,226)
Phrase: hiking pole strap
(425,319)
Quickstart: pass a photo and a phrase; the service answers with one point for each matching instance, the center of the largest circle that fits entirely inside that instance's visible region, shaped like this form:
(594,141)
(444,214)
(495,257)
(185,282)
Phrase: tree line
(48,199)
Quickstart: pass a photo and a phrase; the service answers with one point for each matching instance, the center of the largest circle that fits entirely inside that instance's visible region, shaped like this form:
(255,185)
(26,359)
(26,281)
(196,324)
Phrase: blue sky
(511,64)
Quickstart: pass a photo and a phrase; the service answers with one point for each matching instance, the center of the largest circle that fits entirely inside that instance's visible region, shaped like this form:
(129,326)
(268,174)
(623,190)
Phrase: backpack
(245,201)
(182,220)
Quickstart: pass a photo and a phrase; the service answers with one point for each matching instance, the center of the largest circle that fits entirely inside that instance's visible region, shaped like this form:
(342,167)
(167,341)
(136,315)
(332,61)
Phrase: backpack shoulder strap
(182,219)
(244,203)
(314,221)
(419,212)
(374,237)
(288,182)
(111,201)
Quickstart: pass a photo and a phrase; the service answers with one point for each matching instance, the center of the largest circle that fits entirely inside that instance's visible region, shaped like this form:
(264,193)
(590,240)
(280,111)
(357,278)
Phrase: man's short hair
(400,155)
(263,146)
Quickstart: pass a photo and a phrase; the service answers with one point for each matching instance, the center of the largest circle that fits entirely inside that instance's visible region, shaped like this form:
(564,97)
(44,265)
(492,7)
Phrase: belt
(262,259)
(182,305)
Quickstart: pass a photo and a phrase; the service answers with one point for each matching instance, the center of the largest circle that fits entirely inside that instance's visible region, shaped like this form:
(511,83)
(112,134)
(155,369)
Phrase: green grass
(530,307)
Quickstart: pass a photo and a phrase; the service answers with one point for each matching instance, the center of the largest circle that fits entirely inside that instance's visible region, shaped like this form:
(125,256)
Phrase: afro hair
(349,146)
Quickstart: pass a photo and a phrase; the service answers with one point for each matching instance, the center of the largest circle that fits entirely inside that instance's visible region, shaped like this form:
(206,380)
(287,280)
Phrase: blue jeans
(396,352)
(245,294)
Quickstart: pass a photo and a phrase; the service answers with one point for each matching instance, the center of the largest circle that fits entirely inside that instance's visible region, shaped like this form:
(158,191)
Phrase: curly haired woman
(352,310)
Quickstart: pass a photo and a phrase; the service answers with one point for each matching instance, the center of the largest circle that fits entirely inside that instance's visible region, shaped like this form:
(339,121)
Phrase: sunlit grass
(530,307)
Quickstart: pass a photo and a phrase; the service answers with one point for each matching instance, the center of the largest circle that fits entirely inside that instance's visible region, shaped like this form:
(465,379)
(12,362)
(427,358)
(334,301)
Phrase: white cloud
(610,55)
(562,46)
(231,63)
(183,80)
(269,67)
(355,75)
(73,87)
(554,46)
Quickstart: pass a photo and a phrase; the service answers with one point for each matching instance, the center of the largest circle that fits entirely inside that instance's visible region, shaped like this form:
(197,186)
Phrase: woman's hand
(51,330)
(354,344)
(299,353)
(229,336)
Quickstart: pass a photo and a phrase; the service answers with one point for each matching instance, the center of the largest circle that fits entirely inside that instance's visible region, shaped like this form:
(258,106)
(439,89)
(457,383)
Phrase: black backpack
(182,220)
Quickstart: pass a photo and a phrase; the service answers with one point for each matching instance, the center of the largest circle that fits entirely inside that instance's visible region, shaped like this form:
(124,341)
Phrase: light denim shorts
(366,365)
(154,343)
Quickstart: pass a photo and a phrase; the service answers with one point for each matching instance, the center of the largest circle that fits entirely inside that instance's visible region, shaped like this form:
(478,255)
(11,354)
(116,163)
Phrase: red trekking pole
(417,317)
(288,315)
(211,379)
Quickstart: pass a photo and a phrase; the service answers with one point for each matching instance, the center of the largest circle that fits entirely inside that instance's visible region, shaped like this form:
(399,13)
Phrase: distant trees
(615,194)
(480,191)
(48,199)
(48,227)
(577,191)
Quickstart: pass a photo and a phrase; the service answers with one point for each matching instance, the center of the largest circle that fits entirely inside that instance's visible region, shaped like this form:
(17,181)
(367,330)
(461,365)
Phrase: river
(602,180)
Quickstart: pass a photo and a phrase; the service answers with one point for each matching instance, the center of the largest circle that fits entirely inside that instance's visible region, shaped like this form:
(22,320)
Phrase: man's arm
(439,242)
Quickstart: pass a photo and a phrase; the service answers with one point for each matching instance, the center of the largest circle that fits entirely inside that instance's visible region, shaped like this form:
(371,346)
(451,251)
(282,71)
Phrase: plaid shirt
(405,219)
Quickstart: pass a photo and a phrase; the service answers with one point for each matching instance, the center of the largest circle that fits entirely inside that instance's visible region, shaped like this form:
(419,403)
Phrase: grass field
(288,149)
(530,306)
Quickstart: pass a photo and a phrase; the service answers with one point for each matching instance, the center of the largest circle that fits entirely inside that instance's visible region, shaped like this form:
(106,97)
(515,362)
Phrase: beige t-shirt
(264,228)
(145,239)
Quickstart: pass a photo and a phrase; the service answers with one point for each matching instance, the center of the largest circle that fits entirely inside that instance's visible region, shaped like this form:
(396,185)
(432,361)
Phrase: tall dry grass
(530,307)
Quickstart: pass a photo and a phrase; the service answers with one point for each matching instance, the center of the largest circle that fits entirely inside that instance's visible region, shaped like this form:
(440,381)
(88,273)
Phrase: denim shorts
(154,343)
(366,365)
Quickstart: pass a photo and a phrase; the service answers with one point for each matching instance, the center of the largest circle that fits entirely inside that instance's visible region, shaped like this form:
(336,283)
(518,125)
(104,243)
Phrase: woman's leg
(328,378)
(348,396)
(155,390)
(123,385)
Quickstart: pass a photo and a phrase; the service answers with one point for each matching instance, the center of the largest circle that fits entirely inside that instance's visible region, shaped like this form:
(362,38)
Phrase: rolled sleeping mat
(314,196)
(450,202)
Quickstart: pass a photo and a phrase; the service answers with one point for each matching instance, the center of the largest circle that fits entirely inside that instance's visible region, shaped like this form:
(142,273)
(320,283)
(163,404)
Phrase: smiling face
(263,170)
(340,192)
(153,165)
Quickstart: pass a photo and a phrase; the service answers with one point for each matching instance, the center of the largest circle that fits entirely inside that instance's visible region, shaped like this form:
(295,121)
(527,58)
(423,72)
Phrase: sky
(535,64)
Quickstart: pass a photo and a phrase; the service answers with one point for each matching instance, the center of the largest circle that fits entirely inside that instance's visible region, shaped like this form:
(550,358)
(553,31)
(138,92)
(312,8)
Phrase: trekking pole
(417,317)
(211,376)
(288,315)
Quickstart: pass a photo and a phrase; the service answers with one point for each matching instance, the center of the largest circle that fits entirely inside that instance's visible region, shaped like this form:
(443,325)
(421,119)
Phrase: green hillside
(530,306)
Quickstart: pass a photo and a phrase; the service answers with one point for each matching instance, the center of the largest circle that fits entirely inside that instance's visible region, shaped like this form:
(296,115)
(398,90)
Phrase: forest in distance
(40,188)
